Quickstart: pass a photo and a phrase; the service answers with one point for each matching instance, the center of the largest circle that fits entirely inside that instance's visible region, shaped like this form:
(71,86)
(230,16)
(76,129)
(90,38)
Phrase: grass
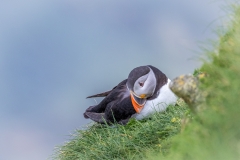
(214,133)
(132,141)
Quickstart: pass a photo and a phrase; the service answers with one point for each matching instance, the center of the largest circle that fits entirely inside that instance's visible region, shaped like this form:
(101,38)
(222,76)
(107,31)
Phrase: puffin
(144,92)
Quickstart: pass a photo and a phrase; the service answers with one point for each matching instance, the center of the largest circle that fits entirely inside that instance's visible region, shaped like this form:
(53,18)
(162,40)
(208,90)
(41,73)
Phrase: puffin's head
(141,84)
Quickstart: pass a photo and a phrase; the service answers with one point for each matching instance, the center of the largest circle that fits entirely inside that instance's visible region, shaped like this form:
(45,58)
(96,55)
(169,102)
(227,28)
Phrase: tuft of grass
(132,141)
(215,132)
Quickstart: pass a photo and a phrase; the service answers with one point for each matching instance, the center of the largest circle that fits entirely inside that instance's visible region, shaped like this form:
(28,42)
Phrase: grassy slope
(215,132)
(212,134)
(125,142)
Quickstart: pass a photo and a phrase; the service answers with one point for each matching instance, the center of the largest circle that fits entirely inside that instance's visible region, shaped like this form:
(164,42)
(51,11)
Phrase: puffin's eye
(141,84)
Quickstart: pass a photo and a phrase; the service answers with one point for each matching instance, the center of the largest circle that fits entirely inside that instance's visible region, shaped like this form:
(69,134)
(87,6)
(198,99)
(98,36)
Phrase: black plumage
(115,107)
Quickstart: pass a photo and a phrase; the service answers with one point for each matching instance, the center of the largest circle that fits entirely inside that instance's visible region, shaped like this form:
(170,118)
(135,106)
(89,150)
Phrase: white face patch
(145,85)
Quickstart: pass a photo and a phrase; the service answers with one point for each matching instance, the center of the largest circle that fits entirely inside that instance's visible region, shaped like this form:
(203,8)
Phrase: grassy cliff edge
(215,132)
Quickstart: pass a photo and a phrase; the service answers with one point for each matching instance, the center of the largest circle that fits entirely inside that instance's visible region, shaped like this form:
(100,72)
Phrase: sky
(55,53)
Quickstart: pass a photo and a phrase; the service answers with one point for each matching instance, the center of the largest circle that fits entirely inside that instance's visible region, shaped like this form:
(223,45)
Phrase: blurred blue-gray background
(54,53)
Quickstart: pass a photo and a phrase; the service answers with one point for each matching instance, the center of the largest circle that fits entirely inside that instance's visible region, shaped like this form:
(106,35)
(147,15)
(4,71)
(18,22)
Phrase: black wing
(104,94)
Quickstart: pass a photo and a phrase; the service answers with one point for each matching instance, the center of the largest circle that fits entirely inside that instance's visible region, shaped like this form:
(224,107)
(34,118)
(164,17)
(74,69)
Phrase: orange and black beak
(138,103)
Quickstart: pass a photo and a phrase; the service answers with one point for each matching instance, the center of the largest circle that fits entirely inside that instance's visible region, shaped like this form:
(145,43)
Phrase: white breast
(166,97)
